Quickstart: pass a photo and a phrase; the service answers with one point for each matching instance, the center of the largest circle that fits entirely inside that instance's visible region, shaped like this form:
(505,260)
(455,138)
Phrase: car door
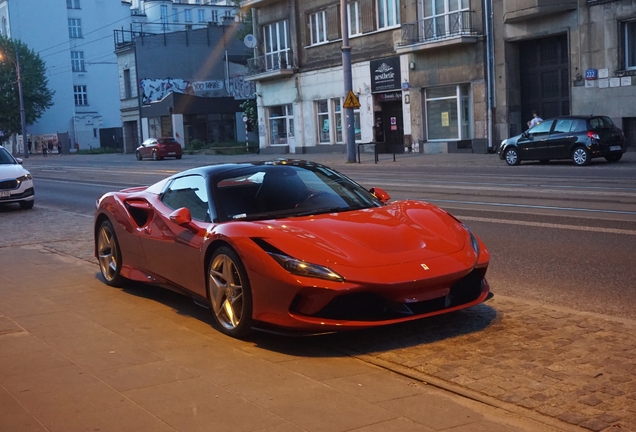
(533,144)
(144,149)
(561,139)
(175,251)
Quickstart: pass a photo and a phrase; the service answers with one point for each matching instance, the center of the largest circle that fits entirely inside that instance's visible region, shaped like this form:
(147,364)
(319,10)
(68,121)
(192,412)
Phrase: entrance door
(393,127)
(544,72)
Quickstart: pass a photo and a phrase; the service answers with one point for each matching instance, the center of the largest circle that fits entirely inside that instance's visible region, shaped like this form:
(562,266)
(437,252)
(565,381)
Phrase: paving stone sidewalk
(578,368)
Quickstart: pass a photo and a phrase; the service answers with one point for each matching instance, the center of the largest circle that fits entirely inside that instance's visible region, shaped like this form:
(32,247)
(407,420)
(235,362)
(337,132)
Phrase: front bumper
(24,192)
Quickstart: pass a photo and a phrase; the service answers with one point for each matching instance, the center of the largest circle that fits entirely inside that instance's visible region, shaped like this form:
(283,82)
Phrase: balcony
(255,3)
(450,29)
(270,67)
(521,10)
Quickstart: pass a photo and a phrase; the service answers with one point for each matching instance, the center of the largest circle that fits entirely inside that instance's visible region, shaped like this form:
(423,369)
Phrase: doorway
(544,77)
(390,127)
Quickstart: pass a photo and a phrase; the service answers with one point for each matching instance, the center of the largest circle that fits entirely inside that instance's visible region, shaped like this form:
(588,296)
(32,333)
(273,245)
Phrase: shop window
(448,115)
(281,124)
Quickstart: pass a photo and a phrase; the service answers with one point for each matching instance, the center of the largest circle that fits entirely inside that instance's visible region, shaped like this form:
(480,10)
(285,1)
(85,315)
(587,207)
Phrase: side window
(541,128)
(190,192)
(563,126)
(578,126)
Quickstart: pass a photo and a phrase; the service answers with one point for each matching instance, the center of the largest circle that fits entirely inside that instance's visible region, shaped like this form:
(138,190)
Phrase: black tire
(230,293)
(27,205)
(512,156)
(581,156)
(109,254)
(544,161)
(178,157)
(138,156)
(614,158)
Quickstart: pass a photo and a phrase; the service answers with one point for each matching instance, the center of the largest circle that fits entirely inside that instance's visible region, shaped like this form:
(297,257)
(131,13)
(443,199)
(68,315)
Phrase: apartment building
(564,57)
(418,71)
(74,38)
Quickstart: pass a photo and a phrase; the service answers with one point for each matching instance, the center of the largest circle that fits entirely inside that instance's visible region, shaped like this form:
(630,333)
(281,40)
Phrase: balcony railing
(278,63)
(438,28)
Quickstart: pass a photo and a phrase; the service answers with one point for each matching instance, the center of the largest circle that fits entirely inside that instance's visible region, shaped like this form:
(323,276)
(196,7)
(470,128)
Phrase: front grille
(9,184)
(372,307)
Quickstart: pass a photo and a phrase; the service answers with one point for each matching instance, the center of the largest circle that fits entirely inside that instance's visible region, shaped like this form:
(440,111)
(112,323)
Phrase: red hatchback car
(159,148)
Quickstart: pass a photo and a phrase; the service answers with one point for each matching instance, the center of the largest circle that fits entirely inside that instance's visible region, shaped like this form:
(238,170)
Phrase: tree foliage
(246,17)
(36,94)
(249,110)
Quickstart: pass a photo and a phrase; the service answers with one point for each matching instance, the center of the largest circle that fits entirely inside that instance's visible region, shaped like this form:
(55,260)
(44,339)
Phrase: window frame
(629,47)
(187,15)
(318,28)
(77,61)
(73,4)
(354,15)
(387,10)
(276,50)
(74,28)
(80,95)
(201,15)
(335,116)
(127,84)
(462,97)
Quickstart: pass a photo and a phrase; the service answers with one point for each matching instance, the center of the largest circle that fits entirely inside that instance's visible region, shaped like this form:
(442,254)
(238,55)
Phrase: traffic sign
(351,101)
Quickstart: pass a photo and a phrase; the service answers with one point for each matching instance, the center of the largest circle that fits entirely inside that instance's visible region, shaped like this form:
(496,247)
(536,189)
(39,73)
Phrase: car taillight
(592,135)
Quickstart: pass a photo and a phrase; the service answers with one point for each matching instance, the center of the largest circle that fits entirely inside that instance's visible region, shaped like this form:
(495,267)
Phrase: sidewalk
(564,369)
(77,355)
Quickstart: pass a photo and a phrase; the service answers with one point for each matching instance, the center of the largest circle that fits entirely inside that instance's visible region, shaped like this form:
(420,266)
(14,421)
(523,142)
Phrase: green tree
(246,19)
(36,94)
(249,110)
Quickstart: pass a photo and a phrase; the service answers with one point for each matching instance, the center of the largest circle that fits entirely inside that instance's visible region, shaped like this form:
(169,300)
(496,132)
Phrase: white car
(16,183)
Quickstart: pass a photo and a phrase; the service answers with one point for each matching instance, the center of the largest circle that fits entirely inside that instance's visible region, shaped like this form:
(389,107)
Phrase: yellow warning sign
(351,101)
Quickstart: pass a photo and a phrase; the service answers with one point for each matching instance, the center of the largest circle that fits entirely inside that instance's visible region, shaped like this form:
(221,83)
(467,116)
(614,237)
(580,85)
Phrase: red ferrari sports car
(290,244)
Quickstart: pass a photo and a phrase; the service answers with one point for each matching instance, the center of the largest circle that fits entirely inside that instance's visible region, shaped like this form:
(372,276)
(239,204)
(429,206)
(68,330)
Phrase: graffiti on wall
(153,90)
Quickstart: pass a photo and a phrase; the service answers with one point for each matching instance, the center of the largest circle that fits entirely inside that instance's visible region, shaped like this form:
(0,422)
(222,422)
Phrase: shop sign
(391,96)
(385,74)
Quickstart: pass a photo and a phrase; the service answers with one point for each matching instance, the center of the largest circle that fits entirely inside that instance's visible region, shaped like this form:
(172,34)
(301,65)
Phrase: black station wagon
(570,137)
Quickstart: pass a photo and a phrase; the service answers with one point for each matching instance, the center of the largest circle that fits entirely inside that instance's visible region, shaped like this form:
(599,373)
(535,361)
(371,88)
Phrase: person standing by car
(535,119)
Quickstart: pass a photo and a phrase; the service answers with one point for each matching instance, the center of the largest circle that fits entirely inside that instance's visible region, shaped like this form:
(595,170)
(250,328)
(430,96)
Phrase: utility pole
(349,135)
(22,114)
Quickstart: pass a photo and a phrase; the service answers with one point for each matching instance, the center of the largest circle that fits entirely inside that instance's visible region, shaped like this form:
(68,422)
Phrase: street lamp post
(22,113)
(18,72)
(350,137)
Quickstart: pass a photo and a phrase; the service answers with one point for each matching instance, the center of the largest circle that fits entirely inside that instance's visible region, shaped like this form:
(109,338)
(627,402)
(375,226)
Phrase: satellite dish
(250,41)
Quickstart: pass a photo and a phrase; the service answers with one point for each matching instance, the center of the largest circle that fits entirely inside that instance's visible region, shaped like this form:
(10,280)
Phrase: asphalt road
(558,234)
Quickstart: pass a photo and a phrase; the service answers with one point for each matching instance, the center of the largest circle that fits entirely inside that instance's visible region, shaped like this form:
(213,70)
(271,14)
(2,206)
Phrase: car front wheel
(512,157)
(108,254)
(581,156)
(230,293)
(614,158)
(27,205)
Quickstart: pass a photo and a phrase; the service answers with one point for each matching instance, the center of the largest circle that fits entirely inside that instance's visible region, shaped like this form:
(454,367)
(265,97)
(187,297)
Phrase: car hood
(400,232)
(514,139)
(11,171)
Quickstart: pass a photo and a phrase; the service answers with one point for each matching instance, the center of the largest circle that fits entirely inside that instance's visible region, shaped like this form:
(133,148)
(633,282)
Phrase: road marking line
(530,206)
(548,225)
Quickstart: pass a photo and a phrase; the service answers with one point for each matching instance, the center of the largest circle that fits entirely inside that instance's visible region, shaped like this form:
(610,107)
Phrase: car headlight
(24,178)
(473,240)
(303,268)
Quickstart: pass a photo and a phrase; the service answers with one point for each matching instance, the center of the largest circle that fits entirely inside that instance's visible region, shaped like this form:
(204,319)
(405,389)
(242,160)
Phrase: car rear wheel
(108,254)
(614,158)
(230,293)
(138,155)
(581,156)
(27,205)
(512,157)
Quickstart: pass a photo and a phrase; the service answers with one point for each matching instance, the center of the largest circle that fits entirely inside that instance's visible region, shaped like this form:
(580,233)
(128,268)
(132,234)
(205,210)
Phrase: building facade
(565,57)
(76,46)
(417,67)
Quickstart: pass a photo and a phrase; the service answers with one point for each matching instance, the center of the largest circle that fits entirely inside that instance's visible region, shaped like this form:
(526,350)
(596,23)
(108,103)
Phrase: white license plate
(4,194)
(172,153)
(615,148)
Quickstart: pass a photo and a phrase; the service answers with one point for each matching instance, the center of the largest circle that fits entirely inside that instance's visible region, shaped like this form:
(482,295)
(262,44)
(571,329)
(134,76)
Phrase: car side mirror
(20,161)
(380,194)
(181,216)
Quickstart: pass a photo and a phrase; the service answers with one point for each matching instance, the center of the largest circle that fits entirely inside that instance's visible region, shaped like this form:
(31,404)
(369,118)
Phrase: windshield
(284,190)
(6,158)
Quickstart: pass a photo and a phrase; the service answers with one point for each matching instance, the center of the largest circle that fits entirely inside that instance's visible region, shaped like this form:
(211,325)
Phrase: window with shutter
(368,15)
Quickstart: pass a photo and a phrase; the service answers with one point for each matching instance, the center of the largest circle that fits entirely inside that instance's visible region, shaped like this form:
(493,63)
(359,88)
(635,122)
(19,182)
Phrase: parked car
(159,148)
(16,183)
(569,137)
(290,244)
